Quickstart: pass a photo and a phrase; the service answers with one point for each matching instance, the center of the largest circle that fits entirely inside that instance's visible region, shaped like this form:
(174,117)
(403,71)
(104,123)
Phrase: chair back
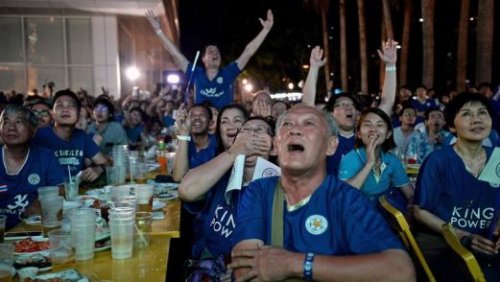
(400,224)
(470,261)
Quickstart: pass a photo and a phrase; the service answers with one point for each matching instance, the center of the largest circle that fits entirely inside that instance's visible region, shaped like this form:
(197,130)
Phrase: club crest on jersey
(220,80)
(316,224)
(34,179)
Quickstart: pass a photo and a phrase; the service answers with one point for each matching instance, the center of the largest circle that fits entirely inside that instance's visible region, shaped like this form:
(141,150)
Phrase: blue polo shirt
(392,172)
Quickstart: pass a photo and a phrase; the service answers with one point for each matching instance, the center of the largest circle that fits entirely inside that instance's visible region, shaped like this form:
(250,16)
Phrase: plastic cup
(144,197)
(52,212)
(48,192)
(83,225)
(119,193)
(161,158)
(112,175)
(6,261)
(60,246)
(71,190)
(3,220)
(143,221)
(121,223)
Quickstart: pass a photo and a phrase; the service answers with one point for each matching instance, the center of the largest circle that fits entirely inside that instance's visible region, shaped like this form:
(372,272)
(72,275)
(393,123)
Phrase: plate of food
(32,245)
(64,275)
(43,262)
(102,245)
(168,195)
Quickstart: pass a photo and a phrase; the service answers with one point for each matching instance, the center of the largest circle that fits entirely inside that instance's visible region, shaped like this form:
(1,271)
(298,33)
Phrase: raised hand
(153,20)
(317,59)
(388,54)
(182,122)
(263,109)
(268,23)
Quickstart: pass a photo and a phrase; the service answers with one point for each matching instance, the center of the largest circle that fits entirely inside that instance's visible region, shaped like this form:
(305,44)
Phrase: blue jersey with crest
(446,189)
(337,220)
(219,91)
(71,153)
(18,191)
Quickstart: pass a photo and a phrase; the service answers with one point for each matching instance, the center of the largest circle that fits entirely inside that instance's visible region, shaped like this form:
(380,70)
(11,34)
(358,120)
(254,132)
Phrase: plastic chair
(403,228)
(470,261)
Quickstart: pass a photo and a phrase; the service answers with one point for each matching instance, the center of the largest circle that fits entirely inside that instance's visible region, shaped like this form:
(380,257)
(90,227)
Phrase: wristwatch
(466,241)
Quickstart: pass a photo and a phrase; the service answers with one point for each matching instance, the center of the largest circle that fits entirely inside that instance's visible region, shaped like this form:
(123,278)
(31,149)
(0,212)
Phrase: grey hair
(25,112)
(333,129)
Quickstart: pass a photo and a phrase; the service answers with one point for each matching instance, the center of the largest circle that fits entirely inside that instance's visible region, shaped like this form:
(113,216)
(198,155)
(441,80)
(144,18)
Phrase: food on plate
(37,260)
(29,246)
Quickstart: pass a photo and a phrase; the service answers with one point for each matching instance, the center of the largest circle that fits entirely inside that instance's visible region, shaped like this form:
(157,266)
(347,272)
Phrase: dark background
(297,28)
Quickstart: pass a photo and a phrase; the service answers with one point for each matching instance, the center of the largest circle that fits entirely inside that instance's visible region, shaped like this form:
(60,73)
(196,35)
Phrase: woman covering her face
(204,187)
(370,167)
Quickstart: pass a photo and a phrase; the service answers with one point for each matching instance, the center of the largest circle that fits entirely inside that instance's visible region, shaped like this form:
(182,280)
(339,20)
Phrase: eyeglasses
(41,113)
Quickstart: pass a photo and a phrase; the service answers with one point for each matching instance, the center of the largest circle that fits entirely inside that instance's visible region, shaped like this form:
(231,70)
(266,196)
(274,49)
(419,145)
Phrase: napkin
(265,168)
(491,172)
(236,178)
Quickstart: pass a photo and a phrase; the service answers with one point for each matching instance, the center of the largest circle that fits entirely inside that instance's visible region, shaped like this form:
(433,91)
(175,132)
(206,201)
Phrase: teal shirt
(392,172)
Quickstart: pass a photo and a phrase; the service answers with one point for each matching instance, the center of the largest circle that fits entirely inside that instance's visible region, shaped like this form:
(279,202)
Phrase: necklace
(474,165)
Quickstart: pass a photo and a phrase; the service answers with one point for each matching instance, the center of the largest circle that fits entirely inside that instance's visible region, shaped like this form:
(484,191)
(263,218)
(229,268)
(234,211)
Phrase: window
(36,50)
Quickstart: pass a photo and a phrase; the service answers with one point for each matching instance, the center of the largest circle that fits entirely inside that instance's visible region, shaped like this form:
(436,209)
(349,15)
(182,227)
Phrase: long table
(149,264)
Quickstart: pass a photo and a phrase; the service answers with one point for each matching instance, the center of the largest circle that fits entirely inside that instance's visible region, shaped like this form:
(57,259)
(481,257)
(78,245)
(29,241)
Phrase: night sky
(296,29)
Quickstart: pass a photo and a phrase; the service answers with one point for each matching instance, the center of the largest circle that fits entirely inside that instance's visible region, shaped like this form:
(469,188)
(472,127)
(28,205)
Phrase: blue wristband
(308,266)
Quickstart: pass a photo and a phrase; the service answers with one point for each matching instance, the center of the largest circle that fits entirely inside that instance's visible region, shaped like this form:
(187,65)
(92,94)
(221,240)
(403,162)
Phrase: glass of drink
(52,213)
(143,222)
(121,223)
(83,226)
(144,197)
(60,246)
(161,158)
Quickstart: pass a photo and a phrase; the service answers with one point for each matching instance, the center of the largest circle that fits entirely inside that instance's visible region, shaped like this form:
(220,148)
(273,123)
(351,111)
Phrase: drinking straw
(69,173)
(141,235)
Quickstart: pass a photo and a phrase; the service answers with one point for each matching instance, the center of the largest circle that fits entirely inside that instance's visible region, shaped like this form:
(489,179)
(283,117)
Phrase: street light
(132,73)
(173,78)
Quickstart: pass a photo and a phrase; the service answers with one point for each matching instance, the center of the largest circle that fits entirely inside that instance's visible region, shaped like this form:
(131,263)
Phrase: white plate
(22,258)
(33,219)
(65,275)
(157,205)
(158,215)
(168,195)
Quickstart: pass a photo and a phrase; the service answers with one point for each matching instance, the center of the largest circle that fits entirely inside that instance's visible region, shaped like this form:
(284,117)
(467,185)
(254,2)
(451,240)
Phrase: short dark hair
(429,111)
(69,93)
(330,105)
(16,108)
(406,106)
(459,101)
(204,106)
(389,142)
(106,102)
